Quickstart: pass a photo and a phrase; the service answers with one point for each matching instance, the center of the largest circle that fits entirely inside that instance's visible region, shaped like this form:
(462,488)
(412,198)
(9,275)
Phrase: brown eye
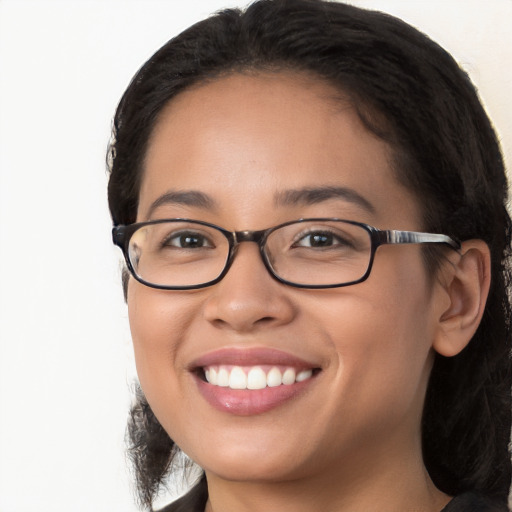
(187,240)
(321,239)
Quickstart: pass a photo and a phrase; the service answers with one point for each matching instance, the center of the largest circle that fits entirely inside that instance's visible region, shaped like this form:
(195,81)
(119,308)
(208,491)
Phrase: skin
(352,441)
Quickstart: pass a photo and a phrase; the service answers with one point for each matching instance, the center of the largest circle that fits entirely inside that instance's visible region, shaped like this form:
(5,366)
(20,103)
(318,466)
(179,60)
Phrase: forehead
(245,138)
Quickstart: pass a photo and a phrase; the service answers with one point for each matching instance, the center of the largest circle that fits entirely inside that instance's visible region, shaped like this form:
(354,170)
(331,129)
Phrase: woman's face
(241,144)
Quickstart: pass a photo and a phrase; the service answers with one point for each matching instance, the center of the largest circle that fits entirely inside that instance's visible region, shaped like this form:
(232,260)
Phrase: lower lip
(245,402)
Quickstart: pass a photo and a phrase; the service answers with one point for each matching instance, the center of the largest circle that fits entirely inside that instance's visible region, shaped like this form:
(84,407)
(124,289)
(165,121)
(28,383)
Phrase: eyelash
(166,242)
(323,232)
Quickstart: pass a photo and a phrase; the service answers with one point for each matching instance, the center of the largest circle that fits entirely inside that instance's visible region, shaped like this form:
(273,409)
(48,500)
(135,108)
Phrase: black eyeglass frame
(121,235)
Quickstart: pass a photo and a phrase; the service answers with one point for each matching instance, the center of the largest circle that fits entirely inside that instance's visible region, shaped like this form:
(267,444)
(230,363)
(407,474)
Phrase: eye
(320,239)
(187,240)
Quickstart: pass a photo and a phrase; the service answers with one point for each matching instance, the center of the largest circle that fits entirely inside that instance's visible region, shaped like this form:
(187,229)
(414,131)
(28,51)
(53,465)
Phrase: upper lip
(250,357)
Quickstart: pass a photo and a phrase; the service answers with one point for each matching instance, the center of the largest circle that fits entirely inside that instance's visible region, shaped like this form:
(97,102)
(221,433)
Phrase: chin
(257,471)
(258,462)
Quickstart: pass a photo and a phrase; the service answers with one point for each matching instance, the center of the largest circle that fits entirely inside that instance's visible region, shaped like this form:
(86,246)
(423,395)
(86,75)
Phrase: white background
(65,356)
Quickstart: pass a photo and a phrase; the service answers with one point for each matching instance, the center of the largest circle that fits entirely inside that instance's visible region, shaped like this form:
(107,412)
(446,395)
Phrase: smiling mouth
(255,377)
(252,381)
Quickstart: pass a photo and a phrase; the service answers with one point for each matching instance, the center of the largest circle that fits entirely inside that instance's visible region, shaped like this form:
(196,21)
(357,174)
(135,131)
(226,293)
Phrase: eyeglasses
(183,254)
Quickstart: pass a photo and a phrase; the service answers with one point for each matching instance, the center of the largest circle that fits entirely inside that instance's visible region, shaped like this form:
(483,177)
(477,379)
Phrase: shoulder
(193,501)
(474,502)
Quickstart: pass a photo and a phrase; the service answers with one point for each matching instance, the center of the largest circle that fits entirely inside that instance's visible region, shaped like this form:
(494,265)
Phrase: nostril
(265,320)
(225,322)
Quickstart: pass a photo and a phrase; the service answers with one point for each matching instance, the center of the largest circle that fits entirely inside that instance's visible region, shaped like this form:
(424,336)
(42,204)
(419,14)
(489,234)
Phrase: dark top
(195,501)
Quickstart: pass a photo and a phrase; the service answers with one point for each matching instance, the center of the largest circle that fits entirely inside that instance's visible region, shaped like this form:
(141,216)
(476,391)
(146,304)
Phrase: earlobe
(466,281)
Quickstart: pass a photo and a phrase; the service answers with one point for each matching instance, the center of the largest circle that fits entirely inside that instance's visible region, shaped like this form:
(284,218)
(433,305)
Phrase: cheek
(385,341)
(382,333)
(158,321)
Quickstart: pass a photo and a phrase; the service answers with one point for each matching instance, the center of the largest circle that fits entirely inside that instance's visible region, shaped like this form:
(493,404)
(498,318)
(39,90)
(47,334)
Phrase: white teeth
(223,378)
(274,378)
(212,377)
(304,375)
(256,379)
(289,376)
(237,377)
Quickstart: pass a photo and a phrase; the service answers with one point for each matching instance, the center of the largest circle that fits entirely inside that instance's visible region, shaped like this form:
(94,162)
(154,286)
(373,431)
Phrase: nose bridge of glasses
(257,237)
(250,236)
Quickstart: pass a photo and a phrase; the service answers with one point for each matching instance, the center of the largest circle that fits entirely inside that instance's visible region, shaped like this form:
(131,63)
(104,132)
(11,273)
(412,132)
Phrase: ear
(465,279)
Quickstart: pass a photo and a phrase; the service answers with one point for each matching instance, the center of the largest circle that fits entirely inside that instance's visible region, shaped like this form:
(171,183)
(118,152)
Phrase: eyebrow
(301,196)
(185,197)
(314,195)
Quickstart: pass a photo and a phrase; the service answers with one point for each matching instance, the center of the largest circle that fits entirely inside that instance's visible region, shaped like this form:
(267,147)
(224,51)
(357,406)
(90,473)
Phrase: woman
(311,203)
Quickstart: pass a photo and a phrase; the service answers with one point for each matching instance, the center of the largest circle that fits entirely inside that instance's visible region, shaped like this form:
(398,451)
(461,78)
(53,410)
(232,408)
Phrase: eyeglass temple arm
(393,236)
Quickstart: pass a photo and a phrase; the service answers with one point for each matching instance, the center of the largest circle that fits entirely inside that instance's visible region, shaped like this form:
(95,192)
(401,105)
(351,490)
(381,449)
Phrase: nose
(248,298)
